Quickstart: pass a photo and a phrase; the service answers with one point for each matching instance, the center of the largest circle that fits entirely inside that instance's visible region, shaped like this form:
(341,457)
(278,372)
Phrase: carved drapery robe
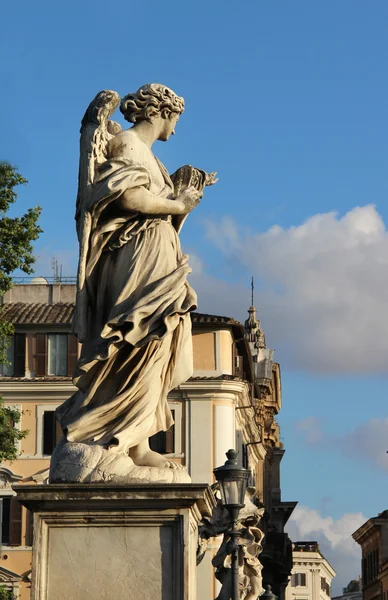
(136,303)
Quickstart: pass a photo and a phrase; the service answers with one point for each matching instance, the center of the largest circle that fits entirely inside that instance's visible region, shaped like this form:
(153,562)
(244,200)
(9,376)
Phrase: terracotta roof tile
(204,318)
(48,378)
(224,377)
(23,313)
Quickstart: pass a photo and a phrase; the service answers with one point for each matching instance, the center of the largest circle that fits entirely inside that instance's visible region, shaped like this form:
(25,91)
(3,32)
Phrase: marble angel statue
(133,301)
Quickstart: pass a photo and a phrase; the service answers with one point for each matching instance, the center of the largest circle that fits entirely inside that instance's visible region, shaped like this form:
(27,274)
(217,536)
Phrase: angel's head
(151,102)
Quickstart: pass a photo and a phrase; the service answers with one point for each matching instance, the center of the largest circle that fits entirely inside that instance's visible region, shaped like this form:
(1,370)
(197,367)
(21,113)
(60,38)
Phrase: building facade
(230,402)
(373,539)
(311,574)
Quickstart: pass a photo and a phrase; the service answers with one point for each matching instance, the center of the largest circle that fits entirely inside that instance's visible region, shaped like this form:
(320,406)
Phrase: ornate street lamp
(268,594)
(233,481)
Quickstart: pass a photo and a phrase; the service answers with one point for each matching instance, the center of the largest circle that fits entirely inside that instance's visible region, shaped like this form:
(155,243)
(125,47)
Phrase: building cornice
(369,527)
(313,558)
(34,390)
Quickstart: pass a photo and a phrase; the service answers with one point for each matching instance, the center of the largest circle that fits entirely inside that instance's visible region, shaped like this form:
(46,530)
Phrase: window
(5,519)
(370,566)
(164,441)
(52,432)
(48,430)
(298,579)
(56,354)
(16,357)
(10,521)
(245,459)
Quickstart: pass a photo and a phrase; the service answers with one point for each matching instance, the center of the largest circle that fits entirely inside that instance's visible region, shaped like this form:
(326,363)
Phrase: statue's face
(169,127)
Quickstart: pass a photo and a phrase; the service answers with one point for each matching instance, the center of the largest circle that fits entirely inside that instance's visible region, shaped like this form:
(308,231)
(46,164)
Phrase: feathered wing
(96,131)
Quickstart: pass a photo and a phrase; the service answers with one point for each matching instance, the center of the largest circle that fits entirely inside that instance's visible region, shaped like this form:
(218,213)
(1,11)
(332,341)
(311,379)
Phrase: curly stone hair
(151,100)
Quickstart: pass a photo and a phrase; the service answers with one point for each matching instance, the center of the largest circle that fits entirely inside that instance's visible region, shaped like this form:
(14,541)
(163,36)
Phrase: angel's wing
(96,131)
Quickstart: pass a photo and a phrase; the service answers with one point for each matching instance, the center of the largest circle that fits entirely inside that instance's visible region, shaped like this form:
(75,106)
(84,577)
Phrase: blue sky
(288,102)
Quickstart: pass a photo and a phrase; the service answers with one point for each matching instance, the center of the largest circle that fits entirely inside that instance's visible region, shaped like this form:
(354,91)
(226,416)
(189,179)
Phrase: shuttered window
(56,354)
(16,357)
(5,510)
(16,522)
(52,432)
(298,579)
(72,354)
(41,354)
(164,441)
(10,521)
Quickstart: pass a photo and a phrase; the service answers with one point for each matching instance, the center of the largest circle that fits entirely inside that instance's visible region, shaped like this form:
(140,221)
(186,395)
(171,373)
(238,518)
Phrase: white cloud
(311,430)
(335,541)
(323,288)
(196,264)
(368,443)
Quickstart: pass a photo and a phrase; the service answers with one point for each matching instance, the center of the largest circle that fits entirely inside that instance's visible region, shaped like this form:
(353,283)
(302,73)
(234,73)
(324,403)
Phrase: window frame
(49,344)
(4,495)
(40,410)
(18,425)
(4,369)
(17,342)
(178,451)
(11,495)
(176,408)
(299,576)
(42,354)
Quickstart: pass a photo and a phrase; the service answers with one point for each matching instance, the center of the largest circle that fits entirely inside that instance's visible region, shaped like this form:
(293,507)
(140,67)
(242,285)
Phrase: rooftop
(306,547)
(61,313)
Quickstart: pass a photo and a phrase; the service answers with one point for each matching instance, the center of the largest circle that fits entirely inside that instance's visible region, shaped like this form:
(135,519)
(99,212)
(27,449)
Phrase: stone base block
(101,542)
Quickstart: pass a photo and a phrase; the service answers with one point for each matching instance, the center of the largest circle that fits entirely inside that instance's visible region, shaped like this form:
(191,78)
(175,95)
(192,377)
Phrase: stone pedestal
(101,542)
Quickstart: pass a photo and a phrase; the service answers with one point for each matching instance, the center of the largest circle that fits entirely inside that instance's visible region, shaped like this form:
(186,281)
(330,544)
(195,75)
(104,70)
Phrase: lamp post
(233,481)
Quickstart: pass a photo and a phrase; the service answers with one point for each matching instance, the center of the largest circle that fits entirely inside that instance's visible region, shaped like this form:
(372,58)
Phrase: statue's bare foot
(143,456)
(148,459)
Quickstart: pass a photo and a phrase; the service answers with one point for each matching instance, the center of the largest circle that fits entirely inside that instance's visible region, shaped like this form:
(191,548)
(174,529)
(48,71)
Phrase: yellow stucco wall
(28,421)
(18,561)
(226,352)
(204,349)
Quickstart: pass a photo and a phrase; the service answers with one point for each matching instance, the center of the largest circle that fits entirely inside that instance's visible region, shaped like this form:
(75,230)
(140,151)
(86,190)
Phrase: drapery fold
(132,314)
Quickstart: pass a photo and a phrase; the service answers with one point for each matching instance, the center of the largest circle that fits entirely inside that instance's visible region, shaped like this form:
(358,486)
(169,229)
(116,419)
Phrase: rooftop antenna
(57,269)
(54,266)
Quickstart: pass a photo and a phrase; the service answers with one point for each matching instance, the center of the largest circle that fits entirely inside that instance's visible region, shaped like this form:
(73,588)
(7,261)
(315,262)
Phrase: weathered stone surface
(83,463)
(133,305)
(87,562)
(124,542)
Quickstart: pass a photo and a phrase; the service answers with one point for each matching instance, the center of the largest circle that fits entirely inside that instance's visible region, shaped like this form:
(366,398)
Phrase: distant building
(373,539)
(231,401)
(311,574)
(349,596)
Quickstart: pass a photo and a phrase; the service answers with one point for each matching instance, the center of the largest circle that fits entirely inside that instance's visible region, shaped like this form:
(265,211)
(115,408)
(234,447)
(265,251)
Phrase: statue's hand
(211,178)
(189,199)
